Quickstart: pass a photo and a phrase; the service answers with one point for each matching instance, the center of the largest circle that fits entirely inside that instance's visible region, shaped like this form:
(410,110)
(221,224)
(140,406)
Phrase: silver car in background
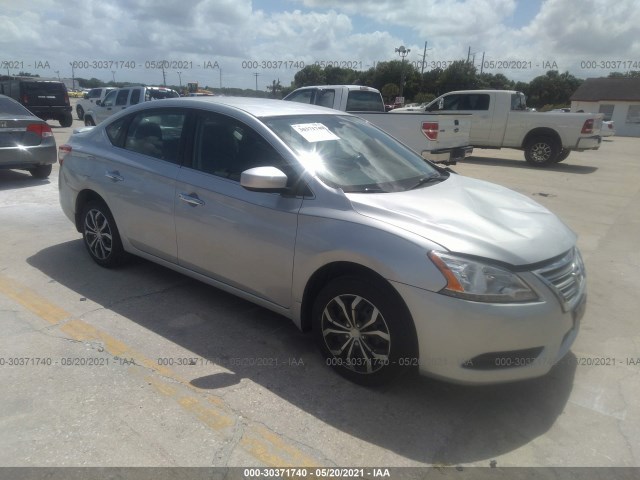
(393,263)
(26,141)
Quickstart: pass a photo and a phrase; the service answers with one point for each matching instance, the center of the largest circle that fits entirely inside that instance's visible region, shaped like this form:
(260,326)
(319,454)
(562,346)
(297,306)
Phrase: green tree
(274,88)
(340,76)
(310,75)
(552,88)
(389,92)
(460,75)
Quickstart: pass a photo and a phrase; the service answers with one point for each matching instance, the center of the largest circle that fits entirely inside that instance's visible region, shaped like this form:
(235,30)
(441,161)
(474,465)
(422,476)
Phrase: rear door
(139,177)
(478,105)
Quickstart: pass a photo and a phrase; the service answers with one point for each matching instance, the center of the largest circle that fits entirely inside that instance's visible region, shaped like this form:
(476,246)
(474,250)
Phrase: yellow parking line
(32,301)
(265,446)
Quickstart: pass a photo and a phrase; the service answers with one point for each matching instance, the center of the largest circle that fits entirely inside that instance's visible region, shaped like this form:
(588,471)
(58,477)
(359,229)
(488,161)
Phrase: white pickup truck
(121,98)
(440,138)
(500,119)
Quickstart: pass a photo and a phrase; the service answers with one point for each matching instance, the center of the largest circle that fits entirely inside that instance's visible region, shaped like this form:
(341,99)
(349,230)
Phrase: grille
(566,278)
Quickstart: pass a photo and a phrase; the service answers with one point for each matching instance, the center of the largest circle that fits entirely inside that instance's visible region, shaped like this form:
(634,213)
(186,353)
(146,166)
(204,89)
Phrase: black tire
(66,120)
(564,153)
(541,151)
(101,236)
(41,171)
(80,112)
(88,121)
(370,341)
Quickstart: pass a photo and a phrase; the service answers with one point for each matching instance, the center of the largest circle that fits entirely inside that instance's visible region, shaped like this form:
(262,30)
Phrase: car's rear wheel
(80,112)
(66,120)
(364,330)
(541,151)
(41,171)
(88,121)
(101,236)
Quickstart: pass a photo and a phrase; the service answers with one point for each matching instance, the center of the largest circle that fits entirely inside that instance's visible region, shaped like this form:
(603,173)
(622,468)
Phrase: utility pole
(424,56)
(469,54)
(256,75)
(164,76)
(482,64)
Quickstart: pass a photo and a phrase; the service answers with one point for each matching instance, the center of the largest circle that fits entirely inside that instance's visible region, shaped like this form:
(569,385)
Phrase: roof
(597,89)
(257,107)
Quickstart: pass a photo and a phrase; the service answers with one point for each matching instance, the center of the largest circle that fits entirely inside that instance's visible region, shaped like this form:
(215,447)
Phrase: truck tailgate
(424,132)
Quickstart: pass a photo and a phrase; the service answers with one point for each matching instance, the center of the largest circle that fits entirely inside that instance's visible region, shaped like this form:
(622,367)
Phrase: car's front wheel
(80,112)
(364,330)
(101,236)
(89,122)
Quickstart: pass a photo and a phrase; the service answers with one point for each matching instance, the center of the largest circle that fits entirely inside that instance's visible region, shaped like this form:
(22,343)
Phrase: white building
(617,98)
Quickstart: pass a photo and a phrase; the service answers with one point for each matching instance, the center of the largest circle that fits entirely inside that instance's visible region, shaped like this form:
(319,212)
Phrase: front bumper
(478,343)
(448,156)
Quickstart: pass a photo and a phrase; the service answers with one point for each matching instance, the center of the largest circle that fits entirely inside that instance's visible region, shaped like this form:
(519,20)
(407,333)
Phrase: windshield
(347,152)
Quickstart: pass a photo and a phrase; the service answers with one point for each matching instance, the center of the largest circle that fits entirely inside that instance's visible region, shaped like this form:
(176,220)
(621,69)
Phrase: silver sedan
(26,141)
(393,263)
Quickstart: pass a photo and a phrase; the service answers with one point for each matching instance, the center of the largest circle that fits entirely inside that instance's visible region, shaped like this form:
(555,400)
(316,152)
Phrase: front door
(242,238)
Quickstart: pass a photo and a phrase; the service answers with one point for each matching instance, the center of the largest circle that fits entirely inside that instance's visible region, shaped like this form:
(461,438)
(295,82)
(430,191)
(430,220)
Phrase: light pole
(73,75)
(58,73)
(180,77)
(403,52)
(113,75)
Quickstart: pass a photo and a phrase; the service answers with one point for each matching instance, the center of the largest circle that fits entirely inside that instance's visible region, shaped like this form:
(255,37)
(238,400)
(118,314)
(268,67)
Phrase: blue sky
(243,37)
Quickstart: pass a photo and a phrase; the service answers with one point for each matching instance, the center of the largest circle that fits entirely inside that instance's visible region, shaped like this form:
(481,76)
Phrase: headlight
(481,282)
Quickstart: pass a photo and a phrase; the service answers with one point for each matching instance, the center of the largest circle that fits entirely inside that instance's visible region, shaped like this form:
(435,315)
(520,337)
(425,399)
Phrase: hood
(471,216)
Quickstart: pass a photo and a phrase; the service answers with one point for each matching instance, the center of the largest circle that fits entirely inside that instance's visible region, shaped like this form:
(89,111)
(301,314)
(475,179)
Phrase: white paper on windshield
(315,132)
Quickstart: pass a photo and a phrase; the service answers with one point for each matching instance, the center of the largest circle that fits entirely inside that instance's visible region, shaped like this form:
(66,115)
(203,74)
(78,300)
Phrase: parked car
(89,99)
(608,128)
(392,262)
(121,98)
(47,99)
(26,141)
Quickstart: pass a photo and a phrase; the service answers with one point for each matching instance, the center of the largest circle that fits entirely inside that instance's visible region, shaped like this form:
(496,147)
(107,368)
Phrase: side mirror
(85,96)
(99,102)
(263,179)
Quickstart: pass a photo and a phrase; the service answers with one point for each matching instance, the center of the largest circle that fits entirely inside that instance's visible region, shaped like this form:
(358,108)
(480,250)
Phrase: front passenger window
(226,148)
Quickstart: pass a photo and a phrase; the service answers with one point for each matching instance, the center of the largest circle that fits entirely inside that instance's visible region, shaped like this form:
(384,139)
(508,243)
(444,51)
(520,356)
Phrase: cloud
(232,32)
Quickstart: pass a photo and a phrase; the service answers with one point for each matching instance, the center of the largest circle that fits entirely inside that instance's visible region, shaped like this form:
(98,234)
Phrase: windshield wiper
(429,179)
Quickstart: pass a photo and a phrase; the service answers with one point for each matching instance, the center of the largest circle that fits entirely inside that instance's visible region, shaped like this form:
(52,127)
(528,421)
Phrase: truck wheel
(41,171)
(541,151)
(564,153)
(88,121)
(66,120)
(365,332)
(80,112)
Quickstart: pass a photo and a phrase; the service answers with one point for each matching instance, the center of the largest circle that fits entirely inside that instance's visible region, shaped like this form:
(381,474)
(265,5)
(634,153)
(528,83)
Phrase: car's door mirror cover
(264,179)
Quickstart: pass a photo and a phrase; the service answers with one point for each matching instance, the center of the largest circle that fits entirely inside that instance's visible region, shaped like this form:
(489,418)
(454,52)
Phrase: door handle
(114,176)
(191,199)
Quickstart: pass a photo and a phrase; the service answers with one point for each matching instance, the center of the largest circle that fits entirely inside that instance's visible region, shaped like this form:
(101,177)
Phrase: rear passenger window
(121,99)
(156,133)
(135,97)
